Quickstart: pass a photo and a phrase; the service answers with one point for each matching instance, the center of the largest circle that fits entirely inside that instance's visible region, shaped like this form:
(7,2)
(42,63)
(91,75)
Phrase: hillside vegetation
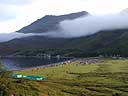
(110,43)
(105,78)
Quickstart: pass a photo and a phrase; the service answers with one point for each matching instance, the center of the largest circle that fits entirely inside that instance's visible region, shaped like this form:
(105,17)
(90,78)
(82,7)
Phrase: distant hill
(50,22)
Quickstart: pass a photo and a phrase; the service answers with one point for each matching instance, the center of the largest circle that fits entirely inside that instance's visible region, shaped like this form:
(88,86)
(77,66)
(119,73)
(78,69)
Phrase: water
(22,63)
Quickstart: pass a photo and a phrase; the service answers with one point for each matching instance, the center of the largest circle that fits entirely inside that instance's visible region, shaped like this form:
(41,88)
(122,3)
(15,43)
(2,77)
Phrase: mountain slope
(50,22)
(105,42)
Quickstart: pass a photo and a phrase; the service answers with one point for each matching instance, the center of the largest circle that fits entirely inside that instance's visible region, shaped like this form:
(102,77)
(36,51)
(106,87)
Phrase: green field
(108,77)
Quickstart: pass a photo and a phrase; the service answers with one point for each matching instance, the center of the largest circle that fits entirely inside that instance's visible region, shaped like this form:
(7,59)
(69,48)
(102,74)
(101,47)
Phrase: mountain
(50,22)
(106,42)
(111,42)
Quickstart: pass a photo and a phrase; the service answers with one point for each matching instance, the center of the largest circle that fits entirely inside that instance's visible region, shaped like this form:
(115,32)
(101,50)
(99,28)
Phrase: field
(109,77)
(103,77)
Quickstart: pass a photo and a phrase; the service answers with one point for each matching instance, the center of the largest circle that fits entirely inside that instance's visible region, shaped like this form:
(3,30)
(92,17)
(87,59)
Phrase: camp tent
(28,77)
(35,77)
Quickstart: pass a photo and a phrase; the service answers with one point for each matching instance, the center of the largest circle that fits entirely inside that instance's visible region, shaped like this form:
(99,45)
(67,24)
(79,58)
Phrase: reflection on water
(21,63)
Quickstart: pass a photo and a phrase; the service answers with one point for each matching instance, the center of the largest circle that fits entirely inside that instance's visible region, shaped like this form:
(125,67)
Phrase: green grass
(17,87)
(107,78)
(61,71)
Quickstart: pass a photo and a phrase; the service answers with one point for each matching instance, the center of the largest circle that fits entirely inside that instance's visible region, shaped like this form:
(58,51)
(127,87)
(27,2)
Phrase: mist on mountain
(82,26)
(91,24)
(15,35)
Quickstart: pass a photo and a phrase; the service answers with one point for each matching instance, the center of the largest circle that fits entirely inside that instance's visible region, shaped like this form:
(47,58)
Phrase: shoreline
(89,60)
(82,61)
(46,66)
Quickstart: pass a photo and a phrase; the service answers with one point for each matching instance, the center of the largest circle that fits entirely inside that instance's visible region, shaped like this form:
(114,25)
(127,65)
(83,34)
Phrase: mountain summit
(50,22)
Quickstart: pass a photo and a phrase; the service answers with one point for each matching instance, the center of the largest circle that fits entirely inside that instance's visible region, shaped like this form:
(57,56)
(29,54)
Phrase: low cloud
(4,37)
(91,24)
(9,36)
(84,26)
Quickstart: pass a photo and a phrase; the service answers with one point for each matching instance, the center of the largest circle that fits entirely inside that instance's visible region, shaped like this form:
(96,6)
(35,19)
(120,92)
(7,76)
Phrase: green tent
(35,77)
(28,77)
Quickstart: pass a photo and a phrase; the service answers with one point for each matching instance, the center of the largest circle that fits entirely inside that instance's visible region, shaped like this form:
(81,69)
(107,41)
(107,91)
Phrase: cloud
(10,9)
(91,24)
(16,2)
(9,36)
(7,12)
(4,37)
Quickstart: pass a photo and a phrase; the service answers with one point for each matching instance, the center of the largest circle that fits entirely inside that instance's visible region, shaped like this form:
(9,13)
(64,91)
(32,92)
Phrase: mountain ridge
(50,22)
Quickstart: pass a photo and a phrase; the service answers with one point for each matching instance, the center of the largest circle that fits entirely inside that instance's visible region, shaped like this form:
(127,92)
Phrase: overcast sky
(15,14)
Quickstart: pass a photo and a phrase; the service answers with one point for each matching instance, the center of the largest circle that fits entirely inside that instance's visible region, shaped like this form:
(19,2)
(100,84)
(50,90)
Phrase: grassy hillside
(17,87)
(111,42)
(106,78)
